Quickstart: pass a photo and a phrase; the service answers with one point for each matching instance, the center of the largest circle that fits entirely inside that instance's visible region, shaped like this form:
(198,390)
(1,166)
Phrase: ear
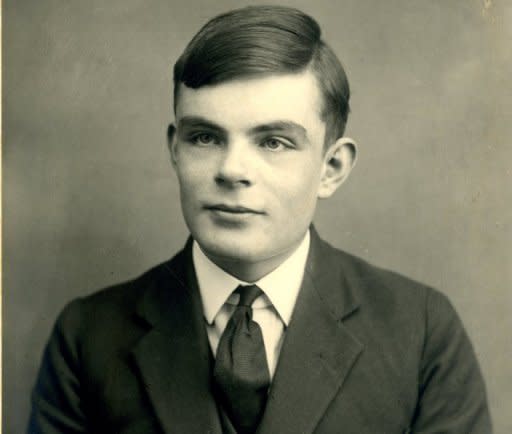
(171,142)
(339,160)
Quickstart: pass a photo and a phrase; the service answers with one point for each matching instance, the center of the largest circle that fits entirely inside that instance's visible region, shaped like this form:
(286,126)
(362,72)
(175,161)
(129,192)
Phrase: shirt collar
(281,286)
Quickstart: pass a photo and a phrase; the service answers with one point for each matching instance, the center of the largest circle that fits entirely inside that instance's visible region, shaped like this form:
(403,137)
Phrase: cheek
(190,188)
(296,192)
(192,171)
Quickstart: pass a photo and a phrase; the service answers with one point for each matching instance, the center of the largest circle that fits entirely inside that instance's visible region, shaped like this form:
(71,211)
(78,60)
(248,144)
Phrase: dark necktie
(241,371)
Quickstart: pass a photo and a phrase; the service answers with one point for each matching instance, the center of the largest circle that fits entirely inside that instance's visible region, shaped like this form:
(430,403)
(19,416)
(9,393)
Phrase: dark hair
(265,40)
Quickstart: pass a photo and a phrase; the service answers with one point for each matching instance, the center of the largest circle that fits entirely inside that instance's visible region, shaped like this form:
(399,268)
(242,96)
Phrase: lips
(233,209)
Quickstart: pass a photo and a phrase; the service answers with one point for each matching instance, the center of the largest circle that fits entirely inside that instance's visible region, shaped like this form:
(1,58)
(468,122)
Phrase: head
(261,104)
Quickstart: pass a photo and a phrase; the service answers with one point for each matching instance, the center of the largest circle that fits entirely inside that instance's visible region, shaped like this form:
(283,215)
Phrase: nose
(234,169)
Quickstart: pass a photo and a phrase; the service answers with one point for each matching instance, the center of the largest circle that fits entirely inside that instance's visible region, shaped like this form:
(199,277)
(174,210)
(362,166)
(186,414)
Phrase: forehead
(244,103)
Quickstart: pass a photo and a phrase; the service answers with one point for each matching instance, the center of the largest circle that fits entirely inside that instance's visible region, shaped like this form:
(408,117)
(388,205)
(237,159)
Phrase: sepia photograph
(256,217)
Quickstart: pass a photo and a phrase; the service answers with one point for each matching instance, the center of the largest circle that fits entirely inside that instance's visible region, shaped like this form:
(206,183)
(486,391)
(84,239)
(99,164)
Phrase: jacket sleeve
(452,396)
(57,406)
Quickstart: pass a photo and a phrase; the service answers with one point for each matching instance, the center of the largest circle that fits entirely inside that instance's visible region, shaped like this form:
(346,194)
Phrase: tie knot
(248,294)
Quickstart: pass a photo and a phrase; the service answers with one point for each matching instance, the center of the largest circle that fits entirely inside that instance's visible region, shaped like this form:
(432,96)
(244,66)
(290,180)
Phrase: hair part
(258,41)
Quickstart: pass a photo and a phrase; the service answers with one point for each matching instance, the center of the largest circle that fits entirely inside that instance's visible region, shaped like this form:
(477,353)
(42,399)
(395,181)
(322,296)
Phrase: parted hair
(258,41)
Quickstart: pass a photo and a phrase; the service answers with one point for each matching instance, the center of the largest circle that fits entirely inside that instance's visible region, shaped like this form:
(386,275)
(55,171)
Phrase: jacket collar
(174,356)
(318,350)
(334,277)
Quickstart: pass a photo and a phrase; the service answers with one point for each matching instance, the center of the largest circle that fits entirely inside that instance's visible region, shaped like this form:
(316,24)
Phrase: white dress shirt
(272,310)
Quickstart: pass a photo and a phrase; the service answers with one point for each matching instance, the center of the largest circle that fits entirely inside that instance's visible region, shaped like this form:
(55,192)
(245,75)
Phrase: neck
(251,271)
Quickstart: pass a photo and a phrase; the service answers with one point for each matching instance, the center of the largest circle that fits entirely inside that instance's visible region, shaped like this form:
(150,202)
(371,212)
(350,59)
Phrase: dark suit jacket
(366,351)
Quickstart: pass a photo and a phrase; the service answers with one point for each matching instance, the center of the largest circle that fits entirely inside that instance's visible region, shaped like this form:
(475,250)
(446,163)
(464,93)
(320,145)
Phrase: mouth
(232,209)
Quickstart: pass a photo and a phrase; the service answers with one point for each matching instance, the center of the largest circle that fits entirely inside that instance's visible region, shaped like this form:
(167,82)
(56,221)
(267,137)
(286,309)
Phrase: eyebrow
(200,122)
(280,126)
(274,126)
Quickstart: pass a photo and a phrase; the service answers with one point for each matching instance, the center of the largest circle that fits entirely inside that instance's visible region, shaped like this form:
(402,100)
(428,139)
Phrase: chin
(231,247)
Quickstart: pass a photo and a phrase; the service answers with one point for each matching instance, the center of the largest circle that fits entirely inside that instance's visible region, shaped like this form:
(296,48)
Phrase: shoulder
(412,335)
(118,298)
(376,285)
(92,331)
(111,313)
(389,303)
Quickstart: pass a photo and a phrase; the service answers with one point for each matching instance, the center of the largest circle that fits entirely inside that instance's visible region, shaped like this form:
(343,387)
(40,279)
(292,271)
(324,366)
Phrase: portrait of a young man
(258,325)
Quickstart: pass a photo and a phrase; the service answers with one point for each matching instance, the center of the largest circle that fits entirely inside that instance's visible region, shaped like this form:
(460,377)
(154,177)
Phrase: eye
(204,139)
(275,144)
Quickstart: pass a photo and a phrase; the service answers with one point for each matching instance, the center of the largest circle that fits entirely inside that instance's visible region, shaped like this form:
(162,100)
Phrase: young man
(258,324)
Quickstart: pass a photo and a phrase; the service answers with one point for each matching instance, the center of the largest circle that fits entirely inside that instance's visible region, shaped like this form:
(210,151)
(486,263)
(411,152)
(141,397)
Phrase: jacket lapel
(318,351)
(174,356)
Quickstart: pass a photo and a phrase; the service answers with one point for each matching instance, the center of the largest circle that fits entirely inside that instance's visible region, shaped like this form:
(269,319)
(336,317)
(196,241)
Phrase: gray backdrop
(90,197)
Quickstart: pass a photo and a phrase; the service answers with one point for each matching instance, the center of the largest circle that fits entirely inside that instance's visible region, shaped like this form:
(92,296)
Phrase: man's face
(249,159)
